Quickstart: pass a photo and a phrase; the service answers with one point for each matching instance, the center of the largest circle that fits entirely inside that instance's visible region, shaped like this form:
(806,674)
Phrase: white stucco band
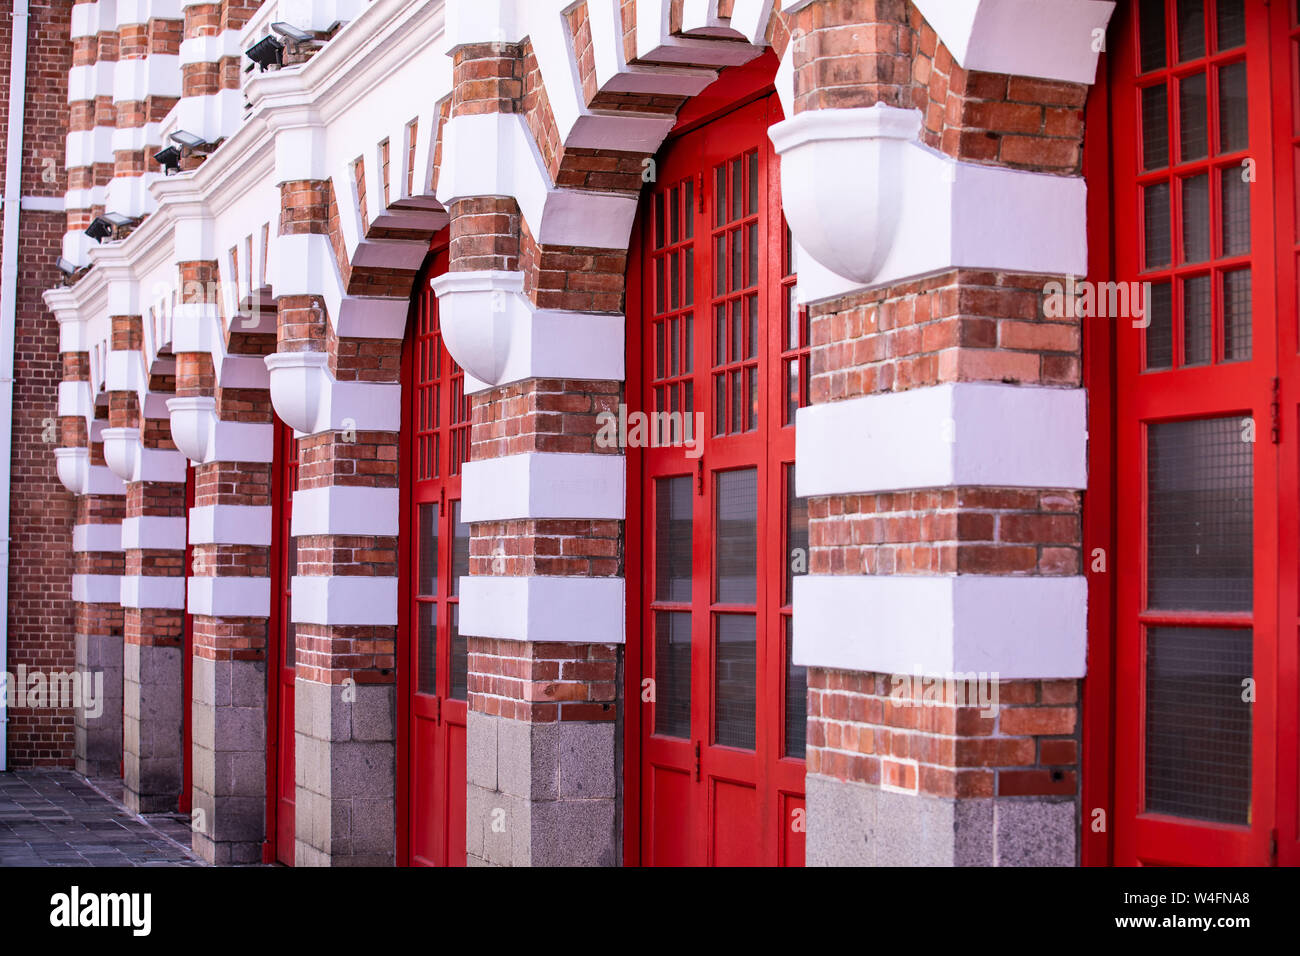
(544,609)
(153,533)
(943,436)
(344,600)
(346,510)
(230,524)
(153,592)
(97,588)
(544,485)
(1014,627)
(229,597)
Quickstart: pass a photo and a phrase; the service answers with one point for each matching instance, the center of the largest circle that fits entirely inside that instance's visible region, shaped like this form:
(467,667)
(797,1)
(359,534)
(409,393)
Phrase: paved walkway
(59,818)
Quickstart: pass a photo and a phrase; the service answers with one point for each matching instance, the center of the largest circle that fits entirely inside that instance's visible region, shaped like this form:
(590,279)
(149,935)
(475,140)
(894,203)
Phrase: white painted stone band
(153,592)
(344,600)
(97,537)
(229,597)
(231,524)
(544,609)
(544,485)
(1015,627)
(942,436)
(154,533)
(346,510)
(97,588)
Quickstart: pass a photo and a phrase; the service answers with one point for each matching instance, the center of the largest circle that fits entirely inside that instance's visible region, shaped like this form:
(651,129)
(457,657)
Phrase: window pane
(672,670)
(1199,535)
(426,649)
(1198,728)
(1191,29)
(734,681)
(1196,218)
(673,529)
(736,536)
(459,658)
(1156,218)
(1235,195)
(1160,330)
(459,549)
(1194,138)
(796,533)
(1155,127)
(1231,26)
(1236,315)
(1197,334)
(1234,114)
(1151,27)
(428,556)
(796,698)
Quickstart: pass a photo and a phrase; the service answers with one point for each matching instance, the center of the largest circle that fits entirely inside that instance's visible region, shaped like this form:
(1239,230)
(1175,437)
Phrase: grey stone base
(851,824)
(345,770)
(542,794)
(152,711)
(229,753)
(97,741)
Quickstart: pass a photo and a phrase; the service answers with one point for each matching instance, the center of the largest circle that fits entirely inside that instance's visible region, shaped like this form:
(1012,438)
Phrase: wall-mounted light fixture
(112,224)
(266,52)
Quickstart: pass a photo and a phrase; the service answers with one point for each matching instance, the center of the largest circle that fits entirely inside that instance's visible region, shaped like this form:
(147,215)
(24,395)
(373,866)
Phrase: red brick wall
(40,623)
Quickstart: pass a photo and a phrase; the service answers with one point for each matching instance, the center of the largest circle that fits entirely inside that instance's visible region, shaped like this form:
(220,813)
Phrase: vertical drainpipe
(9,320)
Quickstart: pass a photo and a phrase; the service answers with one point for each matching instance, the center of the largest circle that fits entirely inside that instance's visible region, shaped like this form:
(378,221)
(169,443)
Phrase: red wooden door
(280,656)
(184,802)
(435,552)
(722,737)
(1285,33)
(1196,582)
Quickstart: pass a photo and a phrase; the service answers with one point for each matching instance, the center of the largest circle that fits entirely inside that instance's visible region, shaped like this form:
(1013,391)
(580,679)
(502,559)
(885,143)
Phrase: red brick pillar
(228,434)
(345,521)
(542,607)
(944,453)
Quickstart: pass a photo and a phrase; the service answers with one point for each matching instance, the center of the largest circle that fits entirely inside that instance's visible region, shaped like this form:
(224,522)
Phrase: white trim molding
(1014,627)
(544,609)
(97,588)
(544,485)
(153,592)
(97,537)
(944,436)
(153,533)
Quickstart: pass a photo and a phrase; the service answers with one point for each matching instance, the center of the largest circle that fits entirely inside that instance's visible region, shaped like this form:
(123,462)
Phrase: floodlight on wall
(110,224)
(292,33)
(67,266)
(266,52)
(191,142)
(169,159)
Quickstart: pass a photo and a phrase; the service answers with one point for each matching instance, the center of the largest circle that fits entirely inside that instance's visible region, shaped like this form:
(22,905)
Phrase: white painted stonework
(941,436)
(539,608)
(230,524)
(344,600)
(97,537)
(153,532)
(544,485)
(1014,627)
(228,597)
(161,593)
(346,510)
(97,588)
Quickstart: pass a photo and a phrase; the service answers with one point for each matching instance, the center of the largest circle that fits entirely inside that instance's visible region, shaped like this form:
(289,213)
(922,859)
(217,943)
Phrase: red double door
(717,340)
(1205,107)
(433,662)
(280,669)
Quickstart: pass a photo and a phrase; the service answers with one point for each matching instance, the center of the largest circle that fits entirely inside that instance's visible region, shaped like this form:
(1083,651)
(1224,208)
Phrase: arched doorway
(718,359)
(432,668)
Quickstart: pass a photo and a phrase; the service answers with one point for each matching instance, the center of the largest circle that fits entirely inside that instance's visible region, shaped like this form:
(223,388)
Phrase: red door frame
(279,676)
(1112,758)
(447,714)
(735,91)
(184,801)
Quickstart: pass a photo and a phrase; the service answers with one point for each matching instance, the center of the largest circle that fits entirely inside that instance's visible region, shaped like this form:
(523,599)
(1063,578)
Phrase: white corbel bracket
(126,457)
(309,398)
(873,206)
(498,336)
(203,438)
